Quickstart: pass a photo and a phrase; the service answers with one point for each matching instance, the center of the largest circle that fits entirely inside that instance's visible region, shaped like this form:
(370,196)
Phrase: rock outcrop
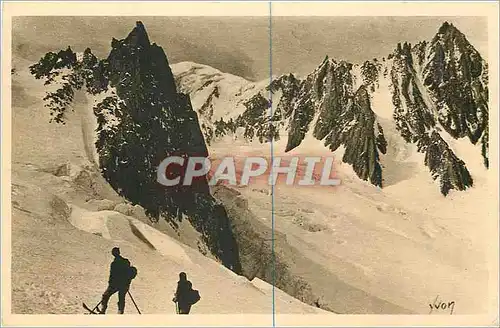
(141,120)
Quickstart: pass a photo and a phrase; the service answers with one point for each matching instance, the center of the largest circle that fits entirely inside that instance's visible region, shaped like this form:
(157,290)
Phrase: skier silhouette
(120,277)
(185,296)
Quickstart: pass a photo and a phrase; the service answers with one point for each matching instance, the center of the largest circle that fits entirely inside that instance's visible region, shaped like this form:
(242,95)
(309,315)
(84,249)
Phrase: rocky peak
(448,29)
(456,76)
(138,36)
(135,59)
(142,120)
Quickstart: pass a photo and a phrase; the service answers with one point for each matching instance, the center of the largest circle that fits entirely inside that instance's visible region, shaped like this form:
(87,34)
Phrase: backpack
(194,296)
(133,272)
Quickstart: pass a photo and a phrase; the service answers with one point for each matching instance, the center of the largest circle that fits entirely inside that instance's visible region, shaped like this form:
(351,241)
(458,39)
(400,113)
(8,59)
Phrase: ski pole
(133,302)
(95,308)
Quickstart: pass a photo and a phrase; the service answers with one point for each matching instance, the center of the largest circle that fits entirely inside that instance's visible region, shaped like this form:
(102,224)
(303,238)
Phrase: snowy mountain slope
(66,218)
(215,95)
(291,266)
(365,244)
(429,93)
(383,123)
(61,257)
(393,243)
(60,159)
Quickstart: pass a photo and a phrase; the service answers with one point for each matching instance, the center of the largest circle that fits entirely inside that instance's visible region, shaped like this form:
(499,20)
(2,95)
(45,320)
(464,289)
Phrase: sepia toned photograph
(270,165)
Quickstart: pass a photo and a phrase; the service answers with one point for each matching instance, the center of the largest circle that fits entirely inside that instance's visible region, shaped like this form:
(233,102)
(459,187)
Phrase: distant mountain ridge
(438,89)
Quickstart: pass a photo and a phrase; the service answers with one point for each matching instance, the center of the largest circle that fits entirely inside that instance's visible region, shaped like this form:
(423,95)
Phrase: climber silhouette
(185,296)
(120,277)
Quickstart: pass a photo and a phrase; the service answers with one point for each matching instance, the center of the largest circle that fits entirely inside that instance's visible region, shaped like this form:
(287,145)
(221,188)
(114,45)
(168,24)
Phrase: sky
(242,45)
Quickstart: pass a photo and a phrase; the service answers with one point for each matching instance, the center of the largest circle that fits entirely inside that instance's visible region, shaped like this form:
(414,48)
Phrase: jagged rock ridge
(437,87)
(141,119)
